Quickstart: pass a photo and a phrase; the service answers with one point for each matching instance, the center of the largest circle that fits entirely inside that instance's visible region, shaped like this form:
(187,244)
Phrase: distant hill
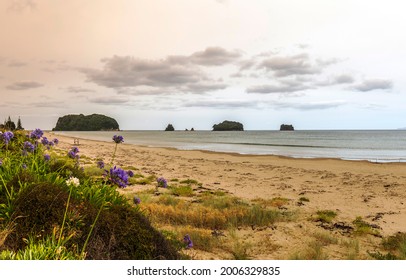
(228,126)
(94,122)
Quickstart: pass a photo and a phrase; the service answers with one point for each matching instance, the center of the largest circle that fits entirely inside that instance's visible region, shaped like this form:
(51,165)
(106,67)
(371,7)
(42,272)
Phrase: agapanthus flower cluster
(28,147)
(49,143)
(118,177)
(7,136)
(73,181)
(137,200)
(36,134)
(73,153)
(47,157)
(118,139)
(162,183)
(100,164)
(188,242)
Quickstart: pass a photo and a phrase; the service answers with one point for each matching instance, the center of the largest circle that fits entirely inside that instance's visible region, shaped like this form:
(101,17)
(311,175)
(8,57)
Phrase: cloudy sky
(316,64)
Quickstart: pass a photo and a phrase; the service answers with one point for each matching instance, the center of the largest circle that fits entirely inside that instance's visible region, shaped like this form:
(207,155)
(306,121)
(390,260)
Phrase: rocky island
(94,122)
(228,126)
(287,127)
(170,128)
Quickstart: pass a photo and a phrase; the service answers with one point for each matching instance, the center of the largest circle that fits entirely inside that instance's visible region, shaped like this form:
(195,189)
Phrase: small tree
(9,125)
(19,126)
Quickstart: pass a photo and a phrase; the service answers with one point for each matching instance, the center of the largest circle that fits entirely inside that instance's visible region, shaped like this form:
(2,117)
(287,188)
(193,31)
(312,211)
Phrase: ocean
(371,145)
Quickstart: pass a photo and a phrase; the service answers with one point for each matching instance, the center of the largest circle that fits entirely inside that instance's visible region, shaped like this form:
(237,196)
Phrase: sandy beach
(376,192)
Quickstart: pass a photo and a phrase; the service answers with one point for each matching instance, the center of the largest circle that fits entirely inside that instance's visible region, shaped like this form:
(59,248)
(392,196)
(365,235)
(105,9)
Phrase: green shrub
(325,216)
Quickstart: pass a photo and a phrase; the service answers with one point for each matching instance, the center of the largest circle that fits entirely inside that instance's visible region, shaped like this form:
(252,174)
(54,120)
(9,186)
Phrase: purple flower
(130,173)
(188,241)
(73,153)
(55,141)
(162,182)
(29,147)
(1,162)
(44,141)
(137,200)
(24,166)
(100,164)
(118,177)
(47,157)
(36,134)
(7,136)
(118,139)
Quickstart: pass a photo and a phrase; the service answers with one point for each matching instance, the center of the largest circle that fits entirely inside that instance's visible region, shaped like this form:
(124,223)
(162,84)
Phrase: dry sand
(374,191)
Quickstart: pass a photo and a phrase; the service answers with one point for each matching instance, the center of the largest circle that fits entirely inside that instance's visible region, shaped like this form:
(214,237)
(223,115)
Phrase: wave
(278,145)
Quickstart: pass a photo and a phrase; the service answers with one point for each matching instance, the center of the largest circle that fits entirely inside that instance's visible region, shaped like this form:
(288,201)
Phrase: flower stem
(64,216)
(91,229)
(114,153)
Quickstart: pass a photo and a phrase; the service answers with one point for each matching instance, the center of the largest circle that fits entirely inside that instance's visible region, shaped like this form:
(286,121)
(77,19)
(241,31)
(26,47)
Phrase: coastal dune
(376,192)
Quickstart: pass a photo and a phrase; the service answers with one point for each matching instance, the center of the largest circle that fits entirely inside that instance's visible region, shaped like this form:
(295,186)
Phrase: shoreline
(376,161)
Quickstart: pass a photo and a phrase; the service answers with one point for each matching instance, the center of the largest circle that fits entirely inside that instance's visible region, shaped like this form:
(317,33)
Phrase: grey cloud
(78,89)
(214,56)
(46,104)
(310,105)
(287,86)
(131,72)
(222,104)
(337,80)
(109,100)
(343,79)
(247,64)
(202,87)
(24,85)
(373,84)
(173,74)
(19,6)
(16,63)
(283,66)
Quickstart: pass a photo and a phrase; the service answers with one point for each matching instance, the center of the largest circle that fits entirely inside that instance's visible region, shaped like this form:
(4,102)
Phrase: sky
(315,64)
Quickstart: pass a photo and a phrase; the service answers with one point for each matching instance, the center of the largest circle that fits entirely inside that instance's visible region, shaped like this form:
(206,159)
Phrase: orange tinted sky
(317,64)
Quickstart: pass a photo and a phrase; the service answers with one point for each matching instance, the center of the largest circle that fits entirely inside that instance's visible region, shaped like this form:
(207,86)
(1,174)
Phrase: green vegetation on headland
(51,209)
(94,122)
(228,126)
(287,127)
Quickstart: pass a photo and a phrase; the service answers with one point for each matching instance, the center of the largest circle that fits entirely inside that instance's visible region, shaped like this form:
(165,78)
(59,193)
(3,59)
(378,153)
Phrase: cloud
(15,63)
(299,64)
(222,104)
(181,74)
(20,6)
(285,86)
(343,79)
(337,80)
(214,56)
(373,84)
(24,85)
(321,105)
(113,100)
(78,90)
(47,104)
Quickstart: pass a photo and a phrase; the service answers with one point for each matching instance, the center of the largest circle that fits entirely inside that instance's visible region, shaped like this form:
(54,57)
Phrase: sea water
(371,145)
